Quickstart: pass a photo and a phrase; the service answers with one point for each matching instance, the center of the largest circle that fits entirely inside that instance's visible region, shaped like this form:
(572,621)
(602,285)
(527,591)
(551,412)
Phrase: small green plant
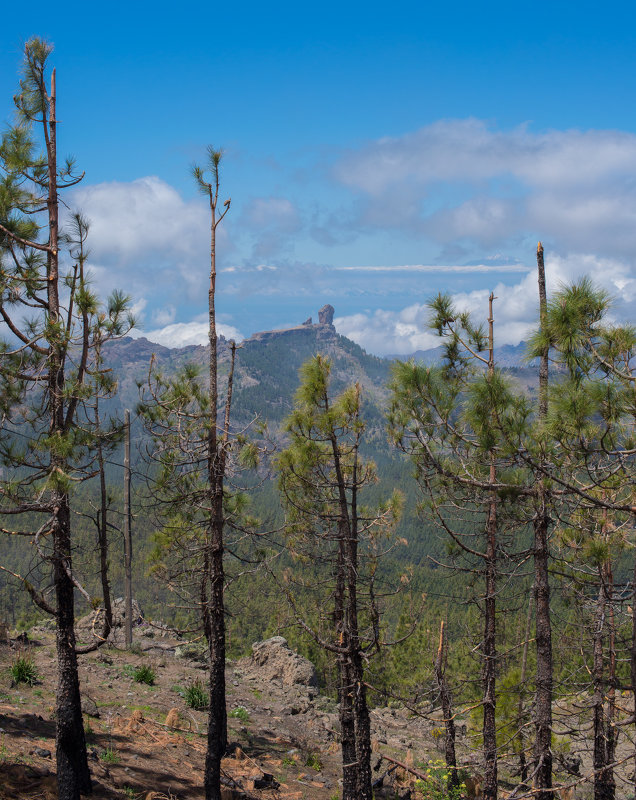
(23,671)
(130,792)
(110,756)
(144,674)
(240,712)
(288,762)
(436,785)
(313,761)
(196,696)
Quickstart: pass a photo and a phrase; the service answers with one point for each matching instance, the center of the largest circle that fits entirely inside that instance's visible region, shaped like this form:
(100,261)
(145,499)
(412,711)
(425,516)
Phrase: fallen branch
(421,775)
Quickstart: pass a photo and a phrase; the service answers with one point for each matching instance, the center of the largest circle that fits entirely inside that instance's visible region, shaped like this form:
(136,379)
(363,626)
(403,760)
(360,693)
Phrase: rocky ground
(145,742)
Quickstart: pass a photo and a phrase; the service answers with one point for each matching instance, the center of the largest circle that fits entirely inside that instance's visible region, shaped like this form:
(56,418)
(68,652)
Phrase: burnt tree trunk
(73,777)
(632,659)
(489,650)
(447,709)
(217,714)
(102,535)
(360,708)
(541,525)
(214,612)
(602,787)
(610,731)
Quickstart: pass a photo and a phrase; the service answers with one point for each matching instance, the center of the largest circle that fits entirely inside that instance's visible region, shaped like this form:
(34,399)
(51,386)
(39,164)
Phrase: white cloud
(462,268)
(164,316)
(469,151)
(515,309)
(144,237)
(182,334)
(464,181)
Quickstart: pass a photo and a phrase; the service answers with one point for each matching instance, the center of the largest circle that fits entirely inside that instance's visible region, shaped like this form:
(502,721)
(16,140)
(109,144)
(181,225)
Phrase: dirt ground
(145,743)
(133,753)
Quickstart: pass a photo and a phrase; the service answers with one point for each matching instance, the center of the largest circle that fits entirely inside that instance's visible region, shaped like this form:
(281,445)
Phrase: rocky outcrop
(325,315)
(273,660)
(324,328)
(89,627)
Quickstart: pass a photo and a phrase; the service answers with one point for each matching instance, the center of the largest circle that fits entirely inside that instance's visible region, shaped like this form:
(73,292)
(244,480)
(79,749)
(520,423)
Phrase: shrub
(240,712)
(313,761)
(196,696)
(23,671)
(436,786)
(111,756)
(144,674)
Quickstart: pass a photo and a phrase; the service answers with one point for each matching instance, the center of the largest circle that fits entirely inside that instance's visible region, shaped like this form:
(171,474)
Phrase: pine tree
(192,440)
(50,375)
(322,476)
(446,419)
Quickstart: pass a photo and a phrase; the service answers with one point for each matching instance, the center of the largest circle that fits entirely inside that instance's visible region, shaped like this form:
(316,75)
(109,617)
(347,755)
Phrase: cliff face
(324,330)
(267,364)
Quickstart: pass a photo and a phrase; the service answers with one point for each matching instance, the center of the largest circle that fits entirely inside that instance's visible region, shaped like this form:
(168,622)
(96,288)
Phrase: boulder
(274,660)
(89,627)
(196,651)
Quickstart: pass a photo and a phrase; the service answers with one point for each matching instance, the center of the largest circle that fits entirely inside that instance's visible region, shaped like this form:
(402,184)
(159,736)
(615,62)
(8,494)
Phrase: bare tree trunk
(541,524)
(217,715)
(602,791)
(521,714)
(73,776)
(490,660)
(213,593)
(632,660)
(360,709)
(610,732)
(447,709)
(363,730)
(489,649)
(102,535)
(348,732)
(127,533)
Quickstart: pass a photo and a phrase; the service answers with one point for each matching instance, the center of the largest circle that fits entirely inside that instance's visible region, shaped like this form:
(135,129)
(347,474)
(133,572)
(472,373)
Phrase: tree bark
(447,709)
(610,731)
(73,777)
(490,646)
(214,612)
(602,786)
(127,533)
(541,524)
(521,713)
(217,715)
(632,660)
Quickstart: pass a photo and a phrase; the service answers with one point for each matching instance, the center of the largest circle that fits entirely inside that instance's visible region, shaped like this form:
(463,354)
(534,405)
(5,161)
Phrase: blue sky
(360,139)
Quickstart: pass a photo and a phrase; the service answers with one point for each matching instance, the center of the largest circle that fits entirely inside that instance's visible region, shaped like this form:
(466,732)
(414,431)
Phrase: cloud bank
(458,200)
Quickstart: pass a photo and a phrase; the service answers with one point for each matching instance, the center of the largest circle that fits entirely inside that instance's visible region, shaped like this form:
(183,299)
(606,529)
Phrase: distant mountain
(507,356)
(266,371)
